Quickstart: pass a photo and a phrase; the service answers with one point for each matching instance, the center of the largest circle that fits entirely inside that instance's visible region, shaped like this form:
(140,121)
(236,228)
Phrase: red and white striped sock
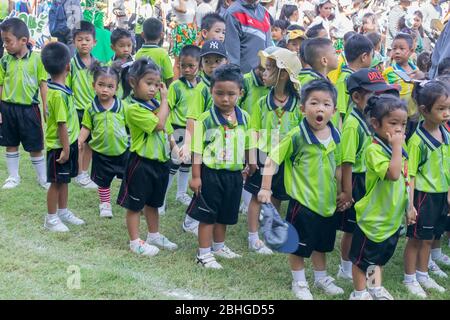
(104,194)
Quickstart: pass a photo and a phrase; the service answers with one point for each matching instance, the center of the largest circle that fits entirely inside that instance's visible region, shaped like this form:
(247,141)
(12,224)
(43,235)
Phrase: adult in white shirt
(431,10)
(203,8)
(185,31)
(324,9)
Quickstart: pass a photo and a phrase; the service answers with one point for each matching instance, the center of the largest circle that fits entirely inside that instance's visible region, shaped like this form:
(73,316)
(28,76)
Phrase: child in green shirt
(61,138)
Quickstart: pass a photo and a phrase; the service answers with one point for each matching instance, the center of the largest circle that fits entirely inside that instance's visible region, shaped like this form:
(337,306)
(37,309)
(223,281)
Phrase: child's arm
(84,134)
(196,182)
(163,113)
(43,89)
(395,165)
(64,139)
(265,193)
(345,196)
(1,89)
(411,211)
(185,149)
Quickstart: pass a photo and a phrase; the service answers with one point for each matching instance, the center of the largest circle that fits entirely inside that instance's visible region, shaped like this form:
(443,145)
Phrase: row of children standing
(309,139)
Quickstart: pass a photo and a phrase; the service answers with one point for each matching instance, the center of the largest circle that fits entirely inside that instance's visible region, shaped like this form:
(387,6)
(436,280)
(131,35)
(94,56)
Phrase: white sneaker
(105,210)
(208,261)
(259,247)
(430,284)
(434,269)
(144,249)
(443,259)
(301,290)
(364,296)
(380,294)
(327,285)
(85,182)
(55,225)
(163,243)
(345,276)
(185,199)
(69,217)
(191,227)
(226,253)
(415,288)
(11,182)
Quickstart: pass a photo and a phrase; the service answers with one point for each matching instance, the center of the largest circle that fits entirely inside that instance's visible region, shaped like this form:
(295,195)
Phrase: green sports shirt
(307,75)
(206,101)
(221,143)
(182,96)
(159,56)
(310,167)
(253,89)
(20,78)
(80,79)
(145,140)
(356,137)
(429,160)
(341,87)
(273,123)
(107,126)
(61,109)
(380,212)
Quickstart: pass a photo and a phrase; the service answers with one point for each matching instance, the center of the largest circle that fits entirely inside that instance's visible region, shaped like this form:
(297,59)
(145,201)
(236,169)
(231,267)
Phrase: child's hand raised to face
(163,90)
(396,139)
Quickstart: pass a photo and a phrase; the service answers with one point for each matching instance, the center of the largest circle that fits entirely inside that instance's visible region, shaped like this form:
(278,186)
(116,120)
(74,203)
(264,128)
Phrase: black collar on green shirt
(311,137)
(188,84)
(312,72)
(129,58)
(360,117)
(79,62)
(387,148)
(221,121)
(256,80)
(144,104)
(57,86)
(99,108)
(290,105)
(428,139)
(206,79)
(27,55)
(147,46)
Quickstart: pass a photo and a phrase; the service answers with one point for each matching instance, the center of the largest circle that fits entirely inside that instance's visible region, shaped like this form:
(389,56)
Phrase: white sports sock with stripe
(40,167)
(12,163)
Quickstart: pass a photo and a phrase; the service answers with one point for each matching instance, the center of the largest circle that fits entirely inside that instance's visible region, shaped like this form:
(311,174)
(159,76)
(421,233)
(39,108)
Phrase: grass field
(36,264)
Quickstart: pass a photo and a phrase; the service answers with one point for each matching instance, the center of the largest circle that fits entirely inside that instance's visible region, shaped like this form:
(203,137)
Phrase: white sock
(40,167)
(183,178)
(218,246)
(51,216)
(62,211)
(359,293)
(436,253)
(246,197)
(319,275)
(135,243)
(12,163)
(298,275)
(408,278)
(153,236)
(188,220)
(253,237)
(375,289)
(346,266)
(203,251)
(421,276)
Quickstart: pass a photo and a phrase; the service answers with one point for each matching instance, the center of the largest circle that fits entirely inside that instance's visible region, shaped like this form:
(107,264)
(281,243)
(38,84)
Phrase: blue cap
(279,235)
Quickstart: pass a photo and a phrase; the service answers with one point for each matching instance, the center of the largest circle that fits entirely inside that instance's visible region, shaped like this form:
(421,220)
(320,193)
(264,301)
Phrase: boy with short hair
(22,77)
(212,28)
(212,56)
(61,138)
(152,34)
(122,45)
(358,51)
(80,81)
(311,153)
(278,29)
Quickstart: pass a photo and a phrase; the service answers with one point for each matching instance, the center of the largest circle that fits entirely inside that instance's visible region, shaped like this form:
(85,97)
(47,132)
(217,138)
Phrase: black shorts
(105,168)
(80,114)
(447,224)
(346,221)
(253,184)
(144,183)
(316,233)
(365,253)
(221,193)
(61,173)
(432,209)
(21,124)
(178,135)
